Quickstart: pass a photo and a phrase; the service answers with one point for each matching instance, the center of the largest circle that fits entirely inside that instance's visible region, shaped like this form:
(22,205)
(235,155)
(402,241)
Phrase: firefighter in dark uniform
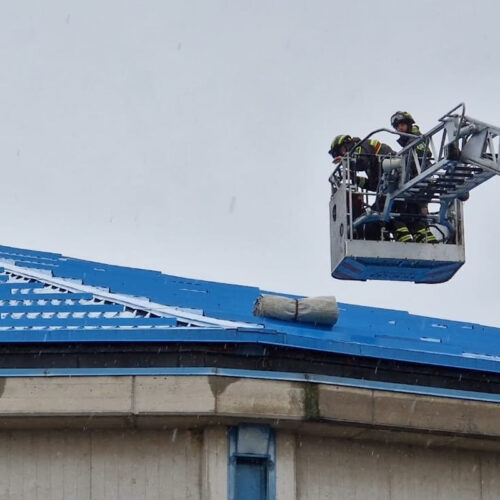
(403,122)
(365,158)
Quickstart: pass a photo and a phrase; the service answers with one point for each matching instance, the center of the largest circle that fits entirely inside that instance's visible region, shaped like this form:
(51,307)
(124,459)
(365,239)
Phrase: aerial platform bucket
(435,169)
(357,259)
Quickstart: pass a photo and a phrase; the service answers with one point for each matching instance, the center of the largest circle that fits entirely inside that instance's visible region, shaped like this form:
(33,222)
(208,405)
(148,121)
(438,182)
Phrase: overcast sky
(191,136)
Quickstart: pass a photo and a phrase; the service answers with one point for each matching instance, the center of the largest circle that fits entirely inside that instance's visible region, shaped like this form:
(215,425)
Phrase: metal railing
(436,169)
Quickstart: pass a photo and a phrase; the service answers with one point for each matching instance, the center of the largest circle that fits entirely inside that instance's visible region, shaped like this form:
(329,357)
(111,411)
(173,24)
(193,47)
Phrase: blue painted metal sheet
(127,334)
(8,288)
(85,321)
(251,463)
(60,308)
(376,268)
(250,479)
(47,296)
(364,331)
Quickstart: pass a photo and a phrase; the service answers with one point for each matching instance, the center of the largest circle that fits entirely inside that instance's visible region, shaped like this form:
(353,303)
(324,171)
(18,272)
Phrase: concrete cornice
(192,401)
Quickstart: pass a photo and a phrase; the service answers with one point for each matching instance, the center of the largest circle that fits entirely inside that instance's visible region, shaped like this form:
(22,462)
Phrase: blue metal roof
(45,297)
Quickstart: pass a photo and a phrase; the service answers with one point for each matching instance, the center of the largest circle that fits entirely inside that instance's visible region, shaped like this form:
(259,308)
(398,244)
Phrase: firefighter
(365,158)
(403,122)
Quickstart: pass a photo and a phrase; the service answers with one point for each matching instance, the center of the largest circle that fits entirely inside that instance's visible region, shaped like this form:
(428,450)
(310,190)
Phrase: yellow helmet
(401,116)
(339,140)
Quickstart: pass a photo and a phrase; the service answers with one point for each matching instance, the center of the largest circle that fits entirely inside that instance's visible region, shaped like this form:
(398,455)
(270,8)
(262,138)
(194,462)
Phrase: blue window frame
(252,463)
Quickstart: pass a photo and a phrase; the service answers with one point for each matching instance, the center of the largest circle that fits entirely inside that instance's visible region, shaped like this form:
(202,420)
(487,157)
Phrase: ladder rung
(444,182)
(455,179)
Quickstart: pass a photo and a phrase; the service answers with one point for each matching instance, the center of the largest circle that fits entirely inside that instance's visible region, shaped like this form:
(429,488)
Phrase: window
(252,455)
(251,478)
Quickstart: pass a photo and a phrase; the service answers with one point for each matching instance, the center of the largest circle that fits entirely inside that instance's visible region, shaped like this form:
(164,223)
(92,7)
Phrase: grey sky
(191,136)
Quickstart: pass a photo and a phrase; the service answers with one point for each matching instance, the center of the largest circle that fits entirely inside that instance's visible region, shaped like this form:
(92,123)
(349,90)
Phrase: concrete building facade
(107,395)
(170,437)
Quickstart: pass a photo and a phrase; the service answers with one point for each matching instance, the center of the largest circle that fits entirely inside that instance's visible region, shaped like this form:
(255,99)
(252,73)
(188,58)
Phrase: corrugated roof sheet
(45,297)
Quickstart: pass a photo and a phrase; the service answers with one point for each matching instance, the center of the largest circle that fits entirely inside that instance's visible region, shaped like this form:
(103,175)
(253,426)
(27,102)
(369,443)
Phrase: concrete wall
(331,469)
(165,438)
(110,465)
(175,464)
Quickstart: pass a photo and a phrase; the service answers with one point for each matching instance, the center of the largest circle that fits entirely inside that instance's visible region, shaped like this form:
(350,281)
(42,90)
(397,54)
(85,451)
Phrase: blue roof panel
(75,300)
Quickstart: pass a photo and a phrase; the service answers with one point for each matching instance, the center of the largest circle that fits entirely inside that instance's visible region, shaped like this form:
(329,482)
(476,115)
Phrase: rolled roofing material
(318,310)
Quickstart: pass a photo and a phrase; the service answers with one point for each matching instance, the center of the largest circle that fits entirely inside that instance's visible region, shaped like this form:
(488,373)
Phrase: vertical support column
(214,464)
(285,466)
